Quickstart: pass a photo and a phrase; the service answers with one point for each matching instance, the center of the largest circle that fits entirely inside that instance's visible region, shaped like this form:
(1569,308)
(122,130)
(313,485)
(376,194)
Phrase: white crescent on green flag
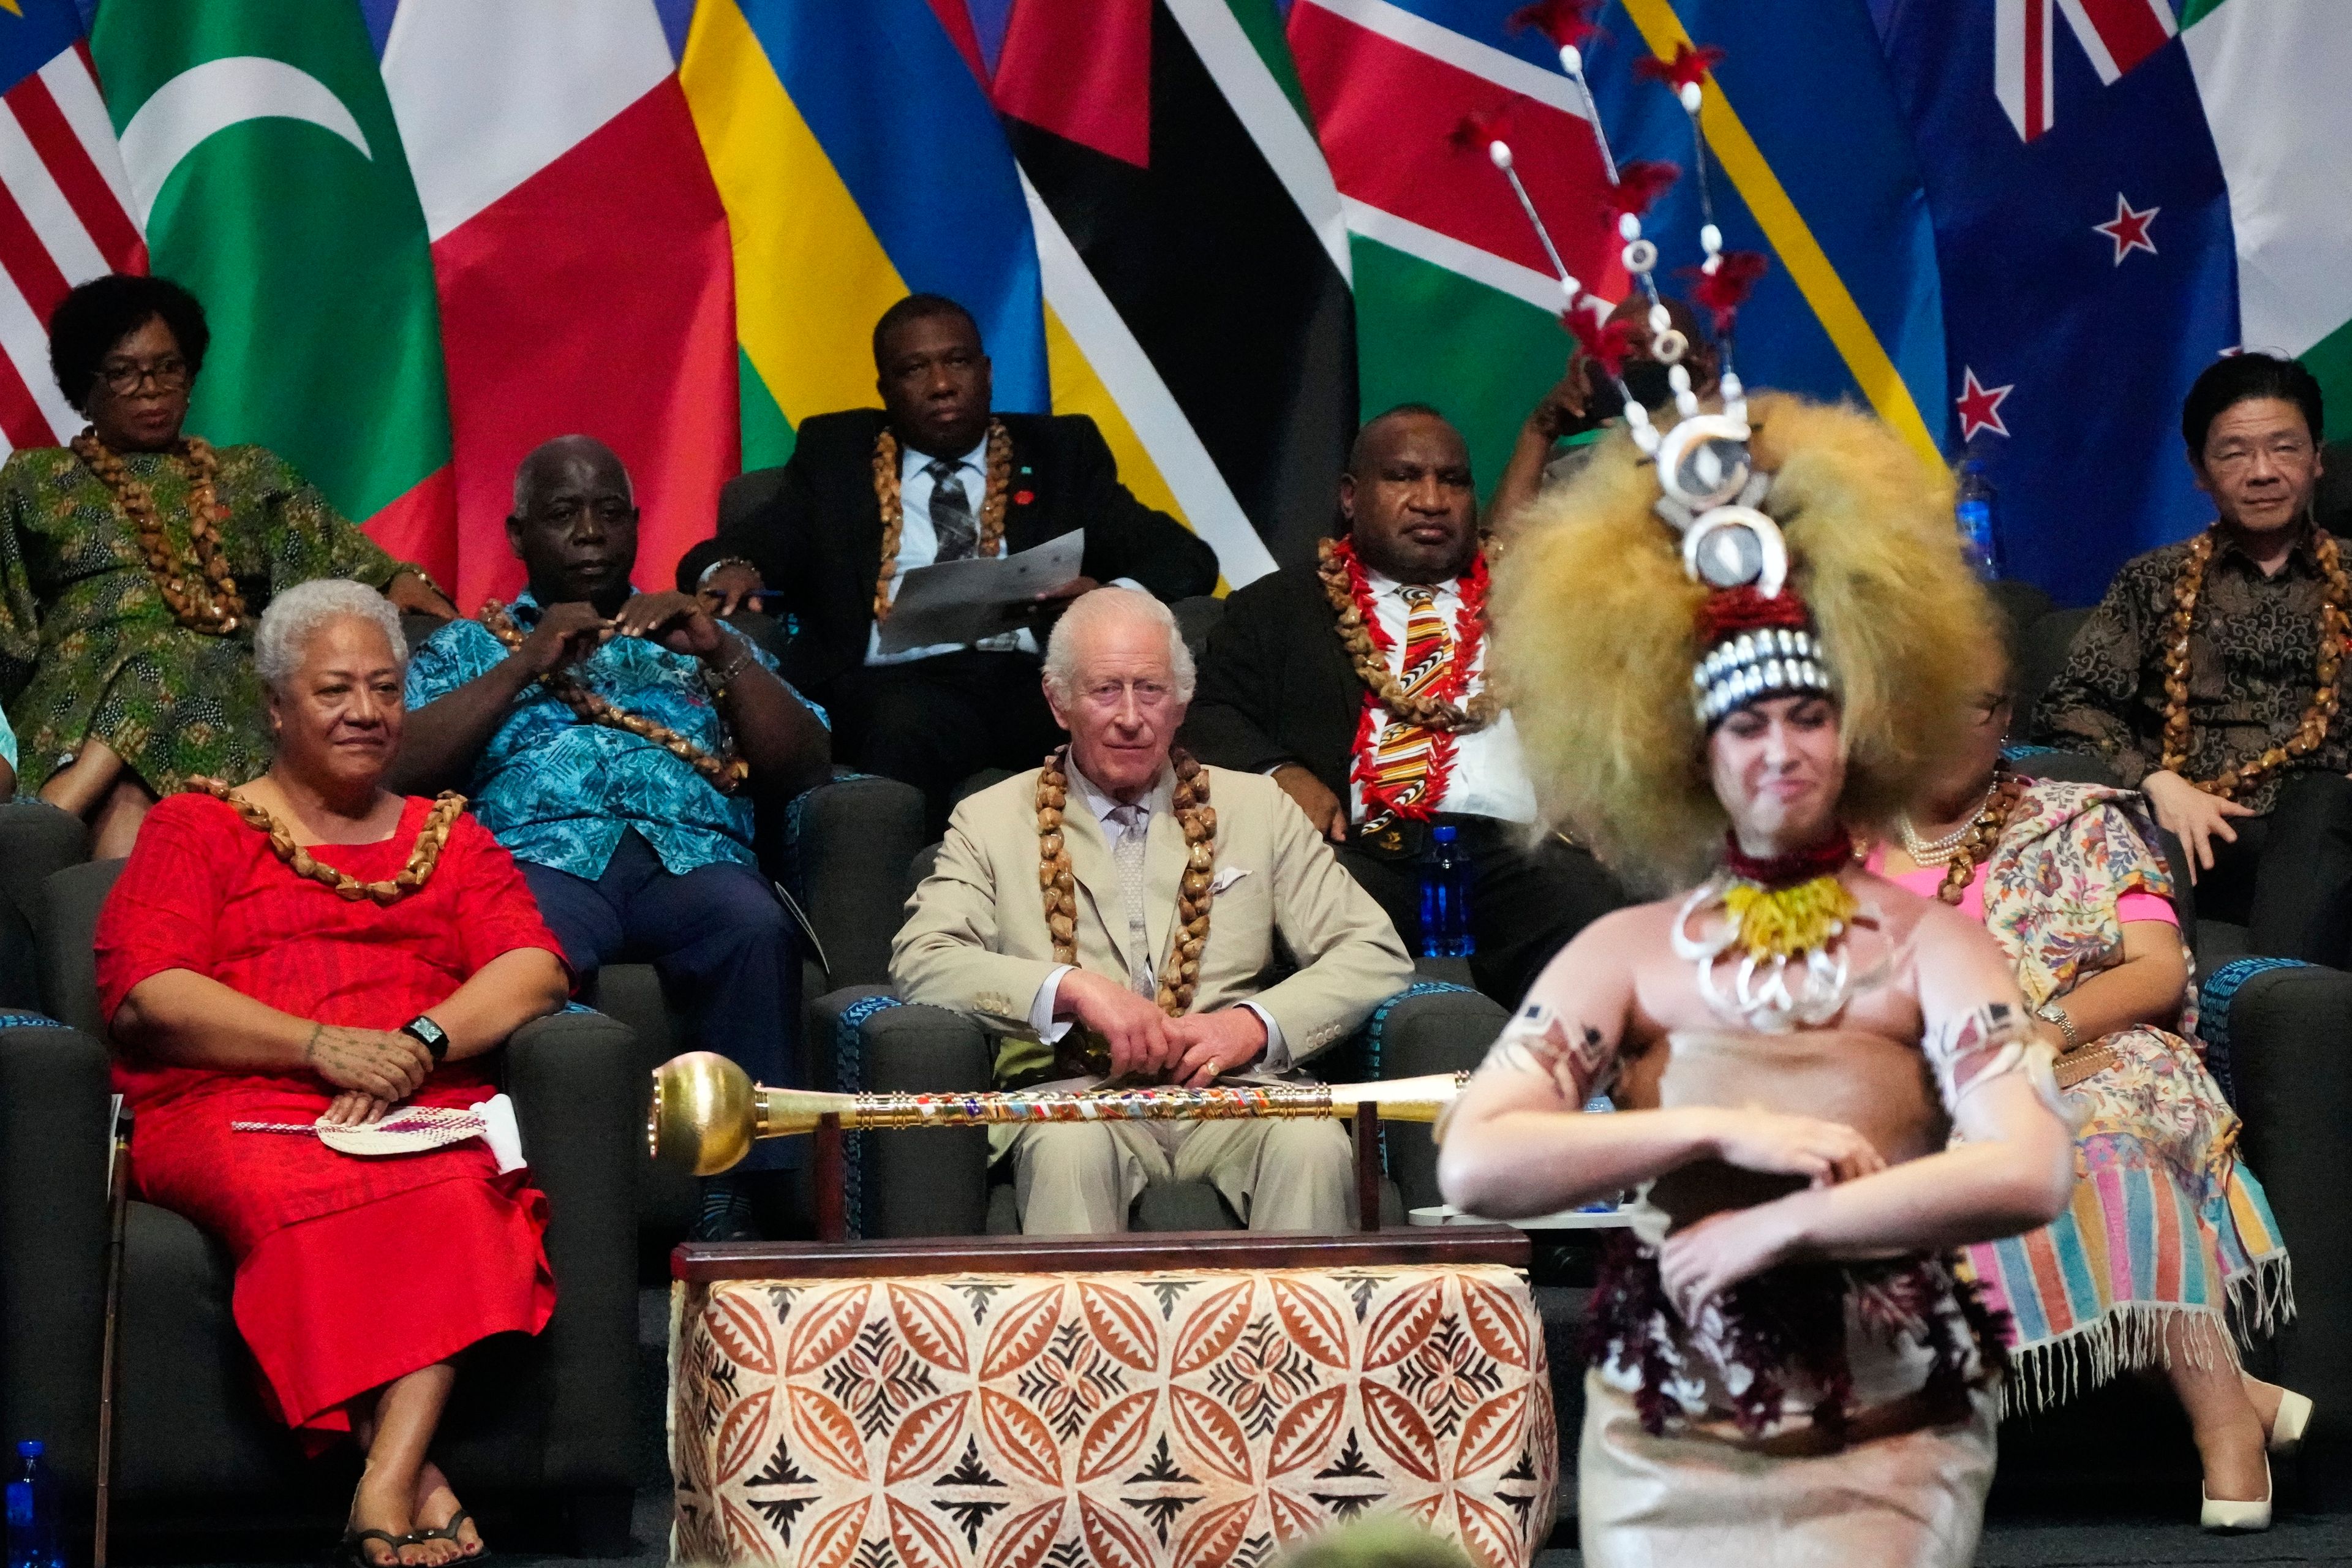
(266,169)
(2271,75)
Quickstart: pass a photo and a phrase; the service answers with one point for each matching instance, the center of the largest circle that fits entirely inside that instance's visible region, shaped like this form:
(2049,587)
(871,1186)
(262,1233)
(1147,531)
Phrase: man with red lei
(1361,687)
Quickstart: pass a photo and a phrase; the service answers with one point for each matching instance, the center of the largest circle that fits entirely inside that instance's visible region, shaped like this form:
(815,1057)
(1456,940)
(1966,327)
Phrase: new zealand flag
(2084,238)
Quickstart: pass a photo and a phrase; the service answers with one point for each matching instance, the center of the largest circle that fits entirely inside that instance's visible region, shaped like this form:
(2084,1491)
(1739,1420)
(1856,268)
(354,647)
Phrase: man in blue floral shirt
(615,742)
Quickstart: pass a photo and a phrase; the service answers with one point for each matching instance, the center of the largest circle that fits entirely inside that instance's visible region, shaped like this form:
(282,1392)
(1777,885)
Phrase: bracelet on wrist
(2050,1012)
(710,571)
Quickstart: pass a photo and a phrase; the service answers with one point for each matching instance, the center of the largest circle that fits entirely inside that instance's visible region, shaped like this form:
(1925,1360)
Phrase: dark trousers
(936,722)
(721,942)
(2288,878)
(1524,903)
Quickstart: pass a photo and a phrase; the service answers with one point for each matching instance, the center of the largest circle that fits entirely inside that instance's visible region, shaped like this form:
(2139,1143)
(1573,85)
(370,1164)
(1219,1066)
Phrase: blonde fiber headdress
(1597,632)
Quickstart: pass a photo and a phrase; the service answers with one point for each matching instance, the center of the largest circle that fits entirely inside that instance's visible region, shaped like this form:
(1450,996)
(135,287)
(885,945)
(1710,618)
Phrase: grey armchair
(936,1181)
(540,1431)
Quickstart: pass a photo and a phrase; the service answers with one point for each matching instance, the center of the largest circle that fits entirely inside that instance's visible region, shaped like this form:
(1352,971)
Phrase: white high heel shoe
(2227,1514)
(2287,1425)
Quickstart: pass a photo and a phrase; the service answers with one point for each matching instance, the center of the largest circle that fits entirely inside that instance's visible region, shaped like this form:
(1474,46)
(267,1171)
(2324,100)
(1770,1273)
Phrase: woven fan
(412,1130)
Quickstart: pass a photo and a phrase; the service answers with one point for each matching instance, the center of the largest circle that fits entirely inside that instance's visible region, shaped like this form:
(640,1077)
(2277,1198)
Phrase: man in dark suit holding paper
(933,475)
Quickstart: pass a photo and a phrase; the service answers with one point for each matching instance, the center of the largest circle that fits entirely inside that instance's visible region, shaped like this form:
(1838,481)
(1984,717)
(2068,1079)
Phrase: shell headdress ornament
(1757,636)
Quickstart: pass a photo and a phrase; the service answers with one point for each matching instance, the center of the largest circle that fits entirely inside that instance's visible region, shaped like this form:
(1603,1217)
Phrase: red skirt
(350,1271)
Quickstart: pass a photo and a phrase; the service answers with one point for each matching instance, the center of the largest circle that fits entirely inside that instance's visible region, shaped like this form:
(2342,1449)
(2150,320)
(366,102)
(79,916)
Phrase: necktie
(1400,752)
(952,521)
(1134,824)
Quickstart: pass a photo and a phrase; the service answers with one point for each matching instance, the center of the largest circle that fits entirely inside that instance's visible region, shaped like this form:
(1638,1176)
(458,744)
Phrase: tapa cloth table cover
(1189,1418)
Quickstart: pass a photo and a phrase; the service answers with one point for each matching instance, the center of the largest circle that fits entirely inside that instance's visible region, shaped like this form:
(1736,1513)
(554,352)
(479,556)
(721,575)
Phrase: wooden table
(1189,1398)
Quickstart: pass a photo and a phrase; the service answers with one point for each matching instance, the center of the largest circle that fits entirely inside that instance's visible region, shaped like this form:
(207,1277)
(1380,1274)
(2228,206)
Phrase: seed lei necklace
(198,587)
(2239,778)
(1179,975)
(991,540)
(725,772)
(1961,851)
(423,855)
(1349,593)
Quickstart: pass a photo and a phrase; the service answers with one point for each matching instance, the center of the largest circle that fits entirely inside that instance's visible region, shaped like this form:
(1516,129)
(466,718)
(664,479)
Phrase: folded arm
(2012,1169)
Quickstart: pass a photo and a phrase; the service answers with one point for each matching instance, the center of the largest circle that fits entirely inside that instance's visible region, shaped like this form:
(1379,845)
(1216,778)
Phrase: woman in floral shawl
(2168,1243)
(134,561)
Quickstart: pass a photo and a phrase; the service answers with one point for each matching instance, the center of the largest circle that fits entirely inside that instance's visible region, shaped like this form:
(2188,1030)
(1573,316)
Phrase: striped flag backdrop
(65,207)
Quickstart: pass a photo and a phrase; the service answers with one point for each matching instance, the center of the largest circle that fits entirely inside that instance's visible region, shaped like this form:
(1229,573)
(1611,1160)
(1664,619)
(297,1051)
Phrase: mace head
(703,1117)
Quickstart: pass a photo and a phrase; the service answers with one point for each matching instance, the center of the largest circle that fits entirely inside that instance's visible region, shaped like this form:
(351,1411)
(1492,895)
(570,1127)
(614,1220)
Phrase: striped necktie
(1400,752)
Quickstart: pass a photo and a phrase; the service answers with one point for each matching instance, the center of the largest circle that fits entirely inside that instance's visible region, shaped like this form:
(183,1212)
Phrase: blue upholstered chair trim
(848,1070)
(29,1021)
(2214,1001)
(1368,1037)
(2019,753)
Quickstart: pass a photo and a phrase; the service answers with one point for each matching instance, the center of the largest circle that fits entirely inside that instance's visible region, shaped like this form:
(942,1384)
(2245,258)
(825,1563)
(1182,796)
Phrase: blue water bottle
(1978,514)
(1445,897)
(32,1512)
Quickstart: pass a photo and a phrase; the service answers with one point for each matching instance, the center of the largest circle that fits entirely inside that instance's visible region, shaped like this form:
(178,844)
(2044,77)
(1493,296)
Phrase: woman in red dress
(310,946)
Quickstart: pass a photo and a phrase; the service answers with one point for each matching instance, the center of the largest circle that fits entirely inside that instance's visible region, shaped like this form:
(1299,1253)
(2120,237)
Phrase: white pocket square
(1226,876)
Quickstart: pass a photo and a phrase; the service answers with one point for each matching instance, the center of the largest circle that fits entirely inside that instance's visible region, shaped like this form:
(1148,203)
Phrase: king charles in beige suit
(1294,956)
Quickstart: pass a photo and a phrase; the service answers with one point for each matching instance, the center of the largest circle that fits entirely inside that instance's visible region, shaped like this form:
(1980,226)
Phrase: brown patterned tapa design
(1131,1420)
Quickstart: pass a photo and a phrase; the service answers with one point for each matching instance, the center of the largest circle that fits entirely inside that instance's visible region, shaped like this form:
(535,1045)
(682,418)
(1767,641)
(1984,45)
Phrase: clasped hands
(570,632)
(1146,1044)
(1700,1261)
(374,1068)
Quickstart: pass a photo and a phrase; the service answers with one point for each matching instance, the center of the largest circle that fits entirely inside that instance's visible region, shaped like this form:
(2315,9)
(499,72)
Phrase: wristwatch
(429,1035)
(2050,1012)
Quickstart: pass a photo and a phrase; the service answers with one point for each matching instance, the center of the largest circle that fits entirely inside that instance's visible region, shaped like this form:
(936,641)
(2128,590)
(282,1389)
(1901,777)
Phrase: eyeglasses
(125,377)
(1108,693)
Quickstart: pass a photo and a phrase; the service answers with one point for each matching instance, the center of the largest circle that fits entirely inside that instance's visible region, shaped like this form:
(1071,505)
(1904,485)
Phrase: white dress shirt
(919,545)
(1489,776)
(1161,799)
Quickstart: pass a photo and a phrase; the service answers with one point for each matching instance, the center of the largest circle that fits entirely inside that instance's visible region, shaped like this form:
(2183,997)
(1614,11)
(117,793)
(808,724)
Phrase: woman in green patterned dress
(134,563)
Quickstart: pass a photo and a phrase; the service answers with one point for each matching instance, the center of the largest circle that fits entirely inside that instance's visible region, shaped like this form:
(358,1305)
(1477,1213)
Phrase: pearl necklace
(1939,851)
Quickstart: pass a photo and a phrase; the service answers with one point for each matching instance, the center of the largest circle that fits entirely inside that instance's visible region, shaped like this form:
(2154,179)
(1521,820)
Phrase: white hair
(1107,605)
(295,616)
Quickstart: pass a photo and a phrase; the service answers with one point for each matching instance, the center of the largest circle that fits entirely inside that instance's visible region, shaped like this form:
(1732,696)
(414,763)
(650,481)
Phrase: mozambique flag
(1175,182)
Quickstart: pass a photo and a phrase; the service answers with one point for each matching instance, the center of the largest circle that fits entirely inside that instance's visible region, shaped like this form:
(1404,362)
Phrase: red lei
(1381,805)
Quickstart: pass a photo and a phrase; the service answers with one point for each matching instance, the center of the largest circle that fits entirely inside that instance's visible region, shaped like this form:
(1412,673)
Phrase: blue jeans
(722,942)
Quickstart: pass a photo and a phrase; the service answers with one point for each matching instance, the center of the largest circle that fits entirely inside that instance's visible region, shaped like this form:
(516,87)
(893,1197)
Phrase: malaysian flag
(65,207)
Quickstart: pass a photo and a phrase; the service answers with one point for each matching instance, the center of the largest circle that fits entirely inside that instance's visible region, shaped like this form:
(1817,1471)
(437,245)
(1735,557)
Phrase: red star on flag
(1979,407)
(2128,228)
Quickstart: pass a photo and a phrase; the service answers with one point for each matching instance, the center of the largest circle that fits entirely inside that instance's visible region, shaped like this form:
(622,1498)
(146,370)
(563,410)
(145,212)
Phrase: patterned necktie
(952,521)
(1134,824)
(1400,752)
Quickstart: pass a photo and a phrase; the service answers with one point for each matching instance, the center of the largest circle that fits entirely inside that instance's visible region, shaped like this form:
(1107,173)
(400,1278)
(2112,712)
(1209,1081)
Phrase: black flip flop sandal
(448,1532)
(351,1551)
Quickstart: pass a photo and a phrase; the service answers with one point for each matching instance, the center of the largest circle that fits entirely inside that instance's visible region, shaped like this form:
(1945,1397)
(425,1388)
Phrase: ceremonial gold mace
(707,1111)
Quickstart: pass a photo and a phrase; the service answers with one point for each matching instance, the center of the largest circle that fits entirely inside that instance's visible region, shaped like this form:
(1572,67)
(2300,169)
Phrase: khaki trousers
(1081,1178)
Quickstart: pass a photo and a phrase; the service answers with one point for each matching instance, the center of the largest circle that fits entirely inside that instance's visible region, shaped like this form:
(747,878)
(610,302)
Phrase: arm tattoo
(1577,1058)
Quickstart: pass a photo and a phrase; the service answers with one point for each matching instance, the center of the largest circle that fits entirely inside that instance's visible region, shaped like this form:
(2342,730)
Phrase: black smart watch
(429,1035)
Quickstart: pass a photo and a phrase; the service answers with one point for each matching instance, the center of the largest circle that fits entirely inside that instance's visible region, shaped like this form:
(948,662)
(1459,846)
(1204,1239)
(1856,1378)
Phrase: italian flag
(2272,76)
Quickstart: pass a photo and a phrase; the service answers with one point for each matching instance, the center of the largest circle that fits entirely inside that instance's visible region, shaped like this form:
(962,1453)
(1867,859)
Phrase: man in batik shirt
(2207,677)
(615,742)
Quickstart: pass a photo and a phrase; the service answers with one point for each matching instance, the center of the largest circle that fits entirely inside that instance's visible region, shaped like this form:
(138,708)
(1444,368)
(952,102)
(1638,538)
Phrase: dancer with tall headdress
(1730,645)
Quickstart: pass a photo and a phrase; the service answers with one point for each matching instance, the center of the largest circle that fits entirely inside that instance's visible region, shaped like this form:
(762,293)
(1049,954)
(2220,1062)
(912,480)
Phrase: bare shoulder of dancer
(1561,1047)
